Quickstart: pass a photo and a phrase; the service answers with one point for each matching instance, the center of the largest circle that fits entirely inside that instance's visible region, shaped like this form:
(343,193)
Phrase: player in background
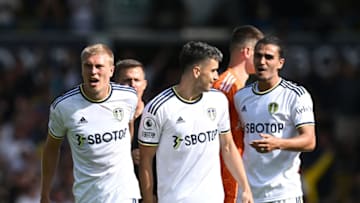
(186,126)
(279,124)
(242,43)
(94,117)
(131,72)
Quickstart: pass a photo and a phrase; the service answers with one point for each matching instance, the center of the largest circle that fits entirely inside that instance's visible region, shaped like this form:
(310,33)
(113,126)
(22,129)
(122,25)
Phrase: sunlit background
(41,41)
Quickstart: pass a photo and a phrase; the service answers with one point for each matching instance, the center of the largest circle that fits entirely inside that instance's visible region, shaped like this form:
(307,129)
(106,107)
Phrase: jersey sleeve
(134,102)
(149,129)
(302,112)
(224,119)
(55,124)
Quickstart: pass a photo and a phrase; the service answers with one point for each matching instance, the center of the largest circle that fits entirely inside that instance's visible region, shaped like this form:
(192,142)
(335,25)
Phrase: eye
(266,56)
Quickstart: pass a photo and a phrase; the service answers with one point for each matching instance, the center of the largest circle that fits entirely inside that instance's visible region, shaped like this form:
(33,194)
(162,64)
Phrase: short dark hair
(126,64)
(244,34)
(195,52)
(274,40)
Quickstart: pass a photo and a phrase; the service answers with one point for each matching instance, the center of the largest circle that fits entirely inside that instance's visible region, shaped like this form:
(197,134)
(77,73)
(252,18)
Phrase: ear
(247,52)
(281,63)
(196,71)
(112,68)
(145,84)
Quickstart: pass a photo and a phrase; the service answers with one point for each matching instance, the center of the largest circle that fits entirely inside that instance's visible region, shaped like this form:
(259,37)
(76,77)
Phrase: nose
(132,83)
(216,76)
(262,60)
(93,70)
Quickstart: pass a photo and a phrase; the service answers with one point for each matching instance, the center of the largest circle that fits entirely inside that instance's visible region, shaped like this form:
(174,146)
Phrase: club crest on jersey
(273,107)
(118,113)
(211,112)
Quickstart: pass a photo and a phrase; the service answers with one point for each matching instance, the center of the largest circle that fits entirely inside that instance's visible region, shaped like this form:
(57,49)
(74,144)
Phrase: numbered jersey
(187,136)
(99,138)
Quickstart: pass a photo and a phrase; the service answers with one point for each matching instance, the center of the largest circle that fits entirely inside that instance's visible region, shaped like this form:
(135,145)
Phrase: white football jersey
(278,111)
(99,138)
(187,136)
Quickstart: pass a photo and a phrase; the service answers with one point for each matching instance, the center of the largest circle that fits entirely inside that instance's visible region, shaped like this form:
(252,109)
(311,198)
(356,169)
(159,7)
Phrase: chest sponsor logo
(264,127)
(194,139)
(98,138)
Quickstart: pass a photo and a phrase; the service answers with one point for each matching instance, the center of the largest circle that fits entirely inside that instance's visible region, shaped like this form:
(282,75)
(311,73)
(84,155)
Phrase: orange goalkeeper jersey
(229,84)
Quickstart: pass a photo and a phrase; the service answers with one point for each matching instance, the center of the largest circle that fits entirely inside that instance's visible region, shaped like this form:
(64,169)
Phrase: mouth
(260,69)
(93,81)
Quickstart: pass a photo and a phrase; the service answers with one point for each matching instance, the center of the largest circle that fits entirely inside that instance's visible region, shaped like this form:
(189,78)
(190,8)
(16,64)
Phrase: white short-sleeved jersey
(278,111)
(187,136)
(99,138)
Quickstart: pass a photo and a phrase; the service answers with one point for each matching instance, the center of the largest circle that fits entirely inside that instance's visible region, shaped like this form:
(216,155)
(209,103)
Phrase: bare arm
(131,129)
(305,141)
(147,154)
(233,162)
(50,157)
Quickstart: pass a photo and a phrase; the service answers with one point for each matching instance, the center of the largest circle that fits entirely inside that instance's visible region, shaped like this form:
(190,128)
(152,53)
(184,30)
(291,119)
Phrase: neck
(239,71)
(139,108)
(96,95)
(269,84)
(187,91)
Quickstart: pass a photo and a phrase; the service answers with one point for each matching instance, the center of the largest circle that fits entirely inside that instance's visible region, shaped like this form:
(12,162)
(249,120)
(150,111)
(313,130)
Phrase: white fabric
(187,135)
(98,134)
(278,111)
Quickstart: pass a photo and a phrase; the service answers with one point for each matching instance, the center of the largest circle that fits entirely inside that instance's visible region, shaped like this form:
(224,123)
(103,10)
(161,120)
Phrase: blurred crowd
(33,73)
(322,17)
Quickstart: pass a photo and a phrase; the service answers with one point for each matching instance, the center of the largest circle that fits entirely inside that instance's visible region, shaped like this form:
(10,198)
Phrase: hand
(266,144)
(246,197)
(135,153)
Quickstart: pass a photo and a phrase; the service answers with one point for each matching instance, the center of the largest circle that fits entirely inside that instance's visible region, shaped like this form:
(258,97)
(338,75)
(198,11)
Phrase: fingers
(260,147)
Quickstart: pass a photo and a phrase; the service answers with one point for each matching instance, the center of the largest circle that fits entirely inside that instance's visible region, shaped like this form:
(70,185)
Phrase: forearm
(146,180)
(131,130)
(234,163)
(49,163)
(305,140)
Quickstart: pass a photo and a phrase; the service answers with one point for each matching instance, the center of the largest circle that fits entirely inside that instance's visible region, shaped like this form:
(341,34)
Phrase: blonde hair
(97,49)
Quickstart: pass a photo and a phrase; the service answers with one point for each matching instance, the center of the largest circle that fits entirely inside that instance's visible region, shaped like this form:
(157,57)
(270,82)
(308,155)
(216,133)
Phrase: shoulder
(66,96)
(216,93)
(215,96)
(246,89)
(159,100)
(122,88)
(293,88)
(227,80)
